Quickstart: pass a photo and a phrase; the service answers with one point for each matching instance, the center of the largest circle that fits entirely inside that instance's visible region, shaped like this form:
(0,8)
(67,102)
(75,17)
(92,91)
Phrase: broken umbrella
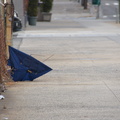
(25,67)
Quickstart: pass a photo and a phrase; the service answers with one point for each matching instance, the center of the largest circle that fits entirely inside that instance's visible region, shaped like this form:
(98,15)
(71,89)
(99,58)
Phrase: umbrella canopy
(25,67)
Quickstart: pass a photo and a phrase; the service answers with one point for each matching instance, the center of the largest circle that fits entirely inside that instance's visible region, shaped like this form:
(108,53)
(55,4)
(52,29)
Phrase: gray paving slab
(85,81)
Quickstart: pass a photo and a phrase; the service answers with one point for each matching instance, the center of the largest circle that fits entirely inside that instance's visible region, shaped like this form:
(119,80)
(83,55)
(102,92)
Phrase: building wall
(26,4)
(19,7)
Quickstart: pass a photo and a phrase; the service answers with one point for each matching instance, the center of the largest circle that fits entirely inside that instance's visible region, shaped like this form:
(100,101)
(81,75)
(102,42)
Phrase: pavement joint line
(65,35)
(71,84)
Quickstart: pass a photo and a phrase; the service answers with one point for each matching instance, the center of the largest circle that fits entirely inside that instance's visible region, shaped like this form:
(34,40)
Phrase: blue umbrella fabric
(25,67)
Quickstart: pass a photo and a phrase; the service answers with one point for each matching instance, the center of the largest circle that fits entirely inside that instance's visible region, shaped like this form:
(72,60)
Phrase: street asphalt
(84,53)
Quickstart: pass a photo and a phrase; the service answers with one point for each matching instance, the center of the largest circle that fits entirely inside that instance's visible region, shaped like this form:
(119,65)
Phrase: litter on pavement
(2,97)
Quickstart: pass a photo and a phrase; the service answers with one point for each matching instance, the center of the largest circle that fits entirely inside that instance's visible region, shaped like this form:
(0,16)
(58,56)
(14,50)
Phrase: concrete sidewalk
(85,56)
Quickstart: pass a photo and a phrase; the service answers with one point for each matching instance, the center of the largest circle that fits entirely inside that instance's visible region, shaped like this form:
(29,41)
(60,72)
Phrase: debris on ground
(2,97)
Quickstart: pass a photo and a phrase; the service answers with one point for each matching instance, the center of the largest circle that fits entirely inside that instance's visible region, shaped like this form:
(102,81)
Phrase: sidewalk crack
(48,58)
(112,92)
